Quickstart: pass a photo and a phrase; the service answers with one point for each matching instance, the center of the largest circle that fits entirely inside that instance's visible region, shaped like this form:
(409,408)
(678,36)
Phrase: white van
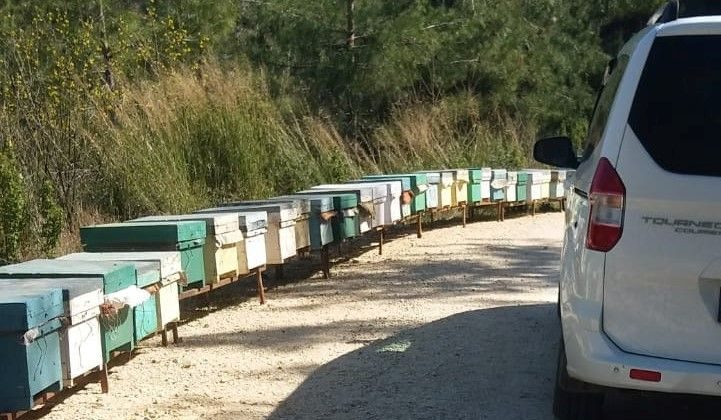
(640,285)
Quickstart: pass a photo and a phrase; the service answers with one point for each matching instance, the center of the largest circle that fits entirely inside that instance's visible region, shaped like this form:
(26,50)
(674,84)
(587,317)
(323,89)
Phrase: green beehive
(117,328)
(145,315)
(347,224)
(521,193)
(188,237)
(474,187)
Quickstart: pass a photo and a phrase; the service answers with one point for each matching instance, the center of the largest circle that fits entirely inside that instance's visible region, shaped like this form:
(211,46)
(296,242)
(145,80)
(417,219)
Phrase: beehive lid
(512,177)
(558,175)
(168,261)
(301,205)
(406,183)
(116,276)
(215,224)
(341,200)
(364,193)
(486,174)
(317,203)
(22,308)
(433,177)
(522,177)
(72,288)
(460,175)
(277,212)
(538,176)
(394,186)
(250,222)
(142,233)
(475,175)
(499,174)
(380,188)
(418,180)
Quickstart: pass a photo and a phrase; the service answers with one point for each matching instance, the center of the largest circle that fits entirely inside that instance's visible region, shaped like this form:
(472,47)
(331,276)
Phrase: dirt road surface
(460,324)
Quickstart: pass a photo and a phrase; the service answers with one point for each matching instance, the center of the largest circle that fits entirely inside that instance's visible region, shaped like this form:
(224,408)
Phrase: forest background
(111,109)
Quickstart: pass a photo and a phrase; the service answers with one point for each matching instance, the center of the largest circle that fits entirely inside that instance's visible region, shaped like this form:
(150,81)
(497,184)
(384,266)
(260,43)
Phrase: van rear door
(662,281)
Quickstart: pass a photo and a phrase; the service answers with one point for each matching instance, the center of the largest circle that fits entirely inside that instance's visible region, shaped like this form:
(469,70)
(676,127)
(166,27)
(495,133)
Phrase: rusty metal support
(261,287)
(381,238)
(325,261)
(419,227)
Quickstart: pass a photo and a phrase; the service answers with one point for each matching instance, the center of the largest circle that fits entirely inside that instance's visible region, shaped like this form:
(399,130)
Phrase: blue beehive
(117,328)
(499,179)
(29,345)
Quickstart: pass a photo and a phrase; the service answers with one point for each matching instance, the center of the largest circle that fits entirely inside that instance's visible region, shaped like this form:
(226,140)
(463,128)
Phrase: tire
(573,405)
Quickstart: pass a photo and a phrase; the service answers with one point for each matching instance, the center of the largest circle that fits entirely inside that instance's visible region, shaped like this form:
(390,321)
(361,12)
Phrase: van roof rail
(676,9)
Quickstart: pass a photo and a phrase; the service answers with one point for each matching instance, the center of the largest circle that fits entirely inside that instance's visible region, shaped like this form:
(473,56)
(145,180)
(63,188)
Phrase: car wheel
(570,404)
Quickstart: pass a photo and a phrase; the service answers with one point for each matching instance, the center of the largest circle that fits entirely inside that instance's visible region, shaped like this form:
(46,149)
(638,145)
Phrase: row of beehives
(61,319)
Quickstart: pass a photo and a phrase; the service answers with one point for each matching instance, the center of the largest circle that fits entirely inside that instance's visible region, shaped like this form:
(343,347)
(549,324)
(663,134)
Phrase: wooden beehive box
(511,187)
(558,181)
(460,186)
(539,181)
(280,243)
(220,250)
(521,186)
(252,254)
(365,209)
(302,220)
(393,204)
(30,345)
(416,195)
(498,192)
(406,191)
(322,213)
(170,269)
(80,337)
(187,237)
(116,328)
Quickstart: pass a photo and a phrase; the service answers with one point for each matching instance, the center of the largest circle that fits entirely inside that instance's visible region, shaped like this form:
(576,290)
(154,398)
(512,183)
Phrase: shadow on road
(485,364)
(495,363)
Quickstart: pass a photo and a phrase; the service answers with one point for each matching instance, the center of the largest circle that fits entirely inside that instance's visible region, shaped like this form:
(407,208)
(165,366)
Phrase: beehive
(322,213)
(187,237)
(302,220)
(220,250)
(406,191)
(511,187)
(80,338)
(558,180)
(280,241)
(499,179)
(117,328)
(460,186)
(170,268)
(365,210)
(30,345)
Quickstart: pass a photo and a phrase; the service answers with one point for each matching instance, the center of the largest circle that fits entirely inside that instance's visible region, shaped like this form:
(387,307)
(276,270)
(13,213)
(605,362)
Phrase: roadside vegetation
(111,109)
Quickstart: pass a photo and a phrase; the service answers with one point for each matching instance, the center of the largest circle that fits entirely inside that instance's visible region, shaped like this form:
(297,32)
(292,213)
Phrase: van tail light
(608,200)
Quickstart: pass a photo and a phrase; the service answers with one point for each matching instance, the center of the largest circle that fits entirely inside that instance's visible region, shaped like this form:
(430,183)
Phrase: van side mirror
(556,151)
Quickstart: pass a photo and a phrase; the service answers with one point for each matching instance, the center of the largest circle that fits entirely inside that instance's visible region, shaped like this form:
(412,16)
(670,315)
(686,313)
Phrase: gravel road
(460,324)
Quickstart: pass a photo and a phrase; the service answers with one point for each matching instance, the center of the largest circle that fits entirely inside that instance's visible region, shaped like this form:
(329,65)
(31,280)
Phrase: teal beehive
(188,237)
(116,326)
(145,319)
(29,345)
(321,212)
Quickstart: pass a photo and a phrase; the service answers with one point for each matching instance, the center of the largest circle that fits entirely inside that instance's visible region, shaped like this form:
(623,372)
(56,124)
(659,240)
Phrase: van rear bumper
(593,358)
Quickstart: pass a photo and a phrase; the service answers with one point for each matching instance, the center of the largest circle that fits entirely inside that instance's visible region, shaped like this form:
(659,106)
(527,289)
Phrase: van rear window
(677,109)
